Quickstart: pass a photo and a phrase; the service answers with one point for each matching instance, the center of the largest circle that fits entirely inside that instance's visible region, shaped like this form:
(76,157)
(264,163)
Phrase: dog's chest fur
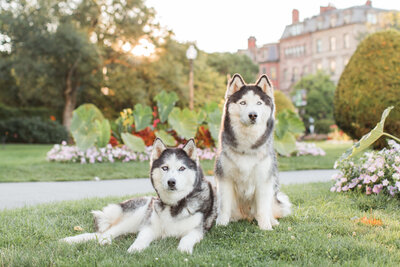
(177,226)
(245,171)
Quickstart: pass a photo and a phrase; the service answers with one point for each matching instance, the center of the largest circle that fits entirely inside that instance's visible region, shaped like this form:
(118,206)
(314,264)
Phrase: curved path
(14,195)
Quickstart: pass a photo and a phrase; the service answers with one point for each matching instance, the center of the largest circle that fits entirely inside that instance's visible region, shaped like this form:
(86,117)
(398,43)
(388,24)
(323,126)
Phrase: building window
(371,18)
(332,66)
(319,46)
(319,66)
(333,21)
(295,51)
(273,73)
(345,61)
(285,75)
(347,18)
(305,71)
(346,40)
(332,43)
(295,74)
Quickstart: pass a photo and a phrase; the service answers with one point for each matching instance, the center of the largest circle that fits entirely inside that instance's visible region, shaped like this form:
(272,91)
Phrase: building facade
(324,42)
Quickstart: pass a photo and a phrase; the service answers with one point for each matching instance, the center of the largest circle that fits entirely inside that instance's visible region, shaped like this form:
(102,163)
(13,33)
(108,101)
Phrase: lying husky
(186,206)
(246,168)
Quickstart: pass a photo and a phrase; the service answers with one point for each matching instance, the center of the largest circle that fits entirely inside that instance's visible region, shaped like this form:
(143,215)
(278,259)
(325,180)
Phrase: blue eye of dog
(182,168)
(164,168)
(242,103)
(259,103)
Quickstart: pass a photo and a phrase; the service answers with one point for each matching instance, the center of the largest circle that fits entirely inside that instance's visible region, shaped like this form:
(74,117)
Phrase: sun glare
(143,49)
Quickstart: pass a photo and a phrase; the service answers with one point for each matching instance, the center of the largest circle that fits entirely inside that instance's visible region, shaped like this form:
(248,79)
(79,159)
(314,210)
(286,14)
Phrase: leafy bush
(287,126)
(282,102)
(32,130)
(370,83)
(89,128)
(7,112)
(323,126)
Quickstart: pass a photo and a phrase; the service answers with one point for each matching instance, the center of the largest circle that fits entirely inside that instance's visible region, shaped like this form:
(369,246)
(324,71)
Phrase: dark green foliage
(228,63)
(369,84)
(7,112)
(320,91)
(32,130)
(323,126)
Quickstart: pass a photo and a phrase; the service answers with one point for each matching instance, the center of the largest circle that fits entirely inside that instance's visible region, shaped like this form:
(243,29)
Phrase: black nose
(253,116)
(171,183)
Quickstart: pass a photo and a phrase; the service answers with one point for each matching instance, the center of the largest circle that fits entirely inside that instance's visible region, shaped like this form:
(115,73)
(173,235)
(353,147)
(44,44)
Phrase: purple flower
(377,188)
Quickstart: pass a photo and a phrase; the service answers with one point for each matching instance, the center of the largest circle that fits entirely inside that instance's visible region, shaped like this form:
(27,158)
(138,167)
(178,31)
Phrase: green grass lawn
(22,163)
(320,232)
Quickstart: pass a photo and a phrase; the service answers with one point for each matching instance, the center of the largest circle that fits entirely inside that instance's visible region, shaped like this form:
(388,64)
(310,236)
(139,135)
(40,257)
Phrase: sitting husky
(186,205)
(246,169)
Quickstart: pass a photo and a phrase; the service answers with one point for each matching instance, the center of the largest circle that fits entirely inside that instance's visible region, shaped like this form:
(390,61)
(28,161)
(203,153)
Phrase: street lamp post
(191,54)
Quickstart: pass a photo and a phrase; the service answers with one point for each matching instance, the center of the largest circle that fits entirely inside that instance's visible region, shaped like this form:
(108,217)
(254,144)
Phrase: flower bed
(65,153)
(374,173)
(308,149)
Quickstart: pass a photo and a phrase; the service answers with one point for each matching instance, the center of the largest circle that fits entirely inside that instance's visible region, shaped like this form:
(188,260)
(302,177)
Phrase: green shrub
(32,130)
(282,102)
(369,84)
(7,112)
(323,126)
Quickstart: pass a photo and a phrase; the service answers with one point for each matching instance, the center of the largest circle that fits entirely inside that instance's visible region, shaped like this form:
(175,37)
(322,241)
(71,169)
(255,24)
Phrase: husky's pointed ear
(266,86)
(234,85)
(190,149)
(158,148)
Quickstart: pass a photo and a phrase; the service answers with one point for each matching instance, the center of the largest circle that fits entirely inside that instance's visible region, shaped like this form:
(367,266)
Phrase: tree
(59,48)
(320,90)
(369,84)
(228,63)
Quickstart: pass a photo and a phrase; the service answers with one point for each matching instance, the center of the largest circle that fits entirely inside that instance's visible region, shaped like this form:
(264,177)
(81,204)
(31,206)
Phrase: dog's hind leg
(281,206)
(128,222)
(80,238)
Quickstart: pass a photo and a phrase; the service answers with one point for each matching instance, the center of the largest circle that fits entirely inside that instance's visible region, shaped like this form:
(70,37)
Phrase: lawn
(23,163)
(322,231)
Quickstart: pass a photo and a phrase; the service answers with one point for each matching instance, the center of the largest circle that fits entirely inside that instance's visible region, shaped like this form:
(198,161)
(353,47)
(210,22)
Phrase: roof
(351,15)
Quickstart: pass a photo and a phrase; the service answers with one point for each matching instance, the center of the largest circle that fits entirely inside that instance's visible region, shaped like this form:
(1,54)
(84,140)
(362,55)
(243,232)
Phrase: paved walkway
(14,195)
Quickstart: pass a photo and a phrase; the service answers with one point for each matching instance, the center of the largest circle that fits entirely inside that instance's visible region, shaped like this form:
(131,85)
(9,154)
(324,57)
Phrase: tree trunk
(70,93)
(70,102)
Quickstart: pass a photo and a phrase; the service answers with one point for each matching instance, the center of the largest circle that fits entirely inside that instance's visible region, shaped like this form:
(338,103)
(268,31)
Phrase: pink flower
(377,188)
(333,189)
(374,178)
(368,190)
(381,173)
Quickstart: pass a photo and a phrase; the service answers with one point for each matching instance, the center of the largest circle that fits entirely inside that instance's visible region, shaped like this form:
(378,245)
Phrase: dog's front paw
(222,220)
(135,248)
(105,240)
(265,224)
(185,248)
(274,222)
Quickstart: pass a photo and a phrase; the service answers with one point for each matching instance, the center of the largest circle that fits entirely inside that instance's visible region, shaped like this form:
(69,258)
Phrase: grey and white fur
(246,169)
(186,206)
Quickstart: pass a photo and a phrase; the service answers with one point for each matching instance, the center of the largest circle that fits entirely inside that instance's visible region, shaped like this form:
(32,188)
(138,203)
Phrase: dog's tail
(282,206)
(109,216)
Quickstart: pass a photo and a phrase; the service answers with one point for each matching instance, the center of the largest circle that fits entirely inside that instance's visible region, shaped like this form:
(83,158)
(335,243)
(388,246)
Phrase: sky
(225,25)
